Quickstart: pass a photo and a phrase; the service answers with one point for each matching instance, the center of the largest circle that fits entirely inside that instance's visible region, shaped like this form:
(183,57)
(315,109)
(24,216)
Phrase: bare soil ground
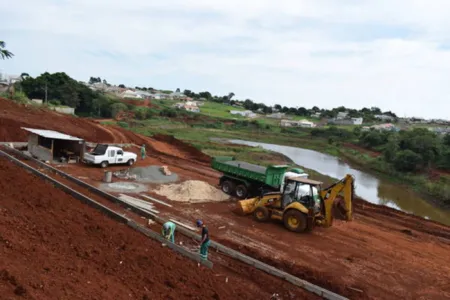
(54,247)
(382,254)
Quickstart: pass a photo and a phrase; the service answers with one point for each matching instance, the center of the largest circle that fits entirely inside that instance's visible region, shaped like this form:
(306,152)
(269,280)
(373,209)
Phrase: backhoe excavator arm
(329,195)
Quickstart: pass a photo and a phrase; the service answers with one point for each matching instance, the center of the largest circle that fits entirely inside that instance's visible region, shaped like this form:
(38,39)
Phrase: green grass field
(219,110)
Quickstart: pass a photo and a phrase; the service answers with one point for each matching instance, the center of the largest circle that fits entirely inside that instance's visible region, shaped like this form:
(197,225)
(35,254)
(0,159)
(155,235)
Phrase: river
(368,187)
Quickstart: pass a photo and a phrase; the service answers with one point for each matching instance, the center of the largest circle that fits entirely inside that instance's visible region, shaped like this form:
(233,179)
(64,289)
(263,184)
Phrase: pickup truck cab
(105,155)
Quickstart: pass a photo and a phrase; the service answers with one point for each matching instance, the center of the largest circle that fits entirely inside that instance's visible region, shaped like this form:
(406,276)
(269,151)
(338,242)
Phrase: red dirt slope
(13,116)
(54,247)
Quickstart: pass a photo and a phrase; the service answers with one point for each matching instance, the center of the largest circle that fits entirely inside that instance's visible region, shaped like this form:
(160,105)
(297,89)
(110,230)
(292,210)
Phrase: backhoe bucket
(247,206)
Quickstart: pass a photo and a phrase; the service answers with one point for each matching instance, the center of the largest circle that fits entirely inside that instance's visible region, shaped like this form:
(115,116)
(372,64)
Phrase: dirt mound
(191,150)
(54,247)
(400,218)
(194,191)
(140,103)
(13,116)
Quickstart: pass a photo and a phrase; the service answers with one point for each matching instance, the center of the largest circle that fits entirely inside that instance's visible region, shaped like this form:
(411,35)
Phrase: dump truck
(304,203)
(243,179)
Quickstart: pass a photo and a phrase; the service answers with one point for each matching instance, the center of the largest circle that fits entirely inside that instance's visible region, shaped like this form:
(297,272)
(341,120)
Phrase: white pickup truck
(105,155)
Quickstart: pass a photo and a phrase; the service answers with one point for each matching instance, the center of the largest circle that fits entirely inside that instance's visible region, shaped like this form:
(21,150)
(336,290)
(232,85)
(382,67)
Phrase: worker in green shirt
(168,231)
(204,243)
(143,151)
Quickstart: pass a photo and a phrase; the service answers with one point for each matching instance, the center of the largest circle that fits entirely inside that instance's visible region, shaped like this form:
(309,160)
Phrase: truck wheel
(130,162)
(261,214)
(241,191)
(295,220)
(104,164)
(228,187)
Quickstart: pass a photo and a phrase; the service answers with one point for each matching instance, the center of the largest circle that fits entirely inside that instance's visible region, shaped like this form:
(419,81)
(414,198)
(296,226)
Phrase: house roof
(50,134)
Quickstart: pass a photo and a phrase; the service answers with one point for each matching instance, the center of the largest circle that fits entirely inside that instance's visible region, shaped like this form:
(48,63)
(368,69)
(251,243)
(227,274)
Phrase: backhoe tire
(228,187)
(241,191)
(104,164)
(295,220)
(261,214)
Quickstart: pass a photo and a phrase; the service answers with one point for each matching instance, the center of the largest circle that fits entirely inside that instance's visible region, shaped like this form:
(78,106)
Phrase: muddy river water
(368,187)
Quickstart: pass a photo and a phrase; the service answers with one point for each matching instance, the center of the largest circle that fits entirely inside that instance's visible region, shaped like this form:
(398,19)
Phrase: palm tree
(3,52)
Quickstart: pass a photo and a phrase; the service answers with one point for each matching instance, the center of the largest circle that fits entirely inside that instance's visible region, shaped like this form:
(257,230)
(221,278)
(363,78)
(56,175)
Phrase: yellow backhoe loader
(302,204)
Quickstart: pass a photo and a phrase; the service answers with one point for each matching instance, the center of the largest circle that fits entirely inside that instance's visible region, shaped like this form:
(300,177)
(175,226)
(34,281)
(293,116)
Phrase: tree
(372,139)
(93,80)
(267,110)
(407,161)
(122,86)
(301,111)
(422,142)
(24,75)
(177,90)
(357,131)
(206,95)
(3,52)
(277,107)
(230,95)
(446,139)
(248,104)
(391,149)
(117,108)
(375,110)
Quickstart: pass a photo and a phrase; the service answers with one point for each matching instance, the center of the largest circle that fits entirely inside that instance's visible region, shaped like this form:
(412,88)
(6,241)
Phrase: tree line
(405,151)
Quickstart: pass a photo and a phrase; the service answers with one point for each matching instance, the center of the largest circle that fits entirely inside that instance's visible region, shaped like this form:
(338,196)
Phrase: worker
(168,231)
(143,151)
(204,243)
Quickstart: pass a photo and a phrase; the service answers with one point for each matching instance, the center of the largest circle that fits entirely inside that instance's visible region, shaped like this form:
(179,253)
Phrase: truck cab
(105,155)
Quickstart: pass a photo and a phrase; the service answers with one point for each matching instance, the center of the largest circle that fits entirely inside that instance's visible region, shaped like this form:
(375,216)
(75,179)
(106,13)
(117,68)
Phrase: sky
(327,53)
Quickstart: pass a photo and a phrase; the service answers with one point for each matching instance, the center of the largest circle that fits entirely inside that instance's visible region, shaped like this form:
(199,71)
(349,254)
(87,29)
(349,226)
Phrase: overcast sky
(358,53)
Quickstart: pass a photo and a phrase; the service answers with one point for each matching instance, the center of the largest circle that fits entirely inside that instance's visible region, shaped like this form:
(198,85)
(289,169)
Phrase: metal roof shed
(50,145)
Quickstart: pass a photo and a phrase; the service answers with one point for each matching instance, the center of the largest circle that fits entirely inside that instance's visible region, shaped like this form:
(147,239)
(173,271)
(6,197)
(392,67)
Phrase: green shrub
(116,108)
(55,102)
(407,161)
(123,124)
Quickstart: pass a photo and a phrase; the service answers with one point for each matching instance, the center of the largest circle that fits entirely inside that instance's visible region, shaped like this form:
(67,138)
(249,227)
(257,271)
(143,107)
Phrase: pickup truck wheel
(228,187)
(261,214)
(104,164)
(241,191)
(130,162)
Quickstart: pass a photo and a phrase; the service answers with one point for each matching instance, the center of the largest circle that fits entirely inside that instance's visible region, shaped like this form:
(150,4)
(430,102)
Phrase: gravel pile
(193,191)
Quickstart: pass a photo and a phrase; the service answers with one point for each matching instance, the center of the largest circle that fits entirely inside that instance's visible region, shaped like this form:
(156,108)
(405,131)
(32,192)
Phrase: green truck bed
(272,175)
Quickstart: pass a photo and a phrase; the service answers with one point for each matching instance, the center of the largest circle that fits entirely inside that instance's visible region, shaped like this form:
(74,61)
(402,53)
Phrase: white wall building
(244,113)
(300,123)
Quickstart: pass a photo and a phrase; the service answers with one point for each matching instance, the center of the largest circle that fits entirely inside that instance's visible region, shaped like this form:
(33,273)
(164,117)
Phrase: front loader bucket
(247,206)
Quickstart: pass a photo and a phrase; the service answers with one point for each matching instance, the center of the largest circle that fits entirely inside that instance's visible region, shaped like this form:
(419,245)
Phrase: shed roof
(50,134)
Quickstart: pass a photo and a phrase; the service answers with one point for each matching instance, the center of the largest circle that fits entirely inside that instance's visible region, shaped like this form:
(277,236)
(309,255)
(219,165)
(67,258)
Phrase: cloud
(391,54)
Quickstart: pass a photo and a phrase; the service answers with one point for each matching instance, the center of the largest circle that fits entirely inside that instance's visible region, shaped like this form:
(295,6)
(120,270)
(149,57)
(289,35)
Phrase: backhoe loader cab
(302,204)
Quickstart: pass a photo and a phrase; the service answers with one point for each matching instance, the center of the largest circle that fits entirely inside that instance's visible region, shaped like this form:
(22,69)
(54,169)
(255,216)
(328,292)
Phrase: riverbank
(434,185)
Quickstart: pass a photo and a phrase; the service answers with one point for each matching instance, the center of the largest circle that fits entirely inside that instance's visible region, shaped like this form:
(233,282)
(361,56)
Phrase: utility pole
(46,93)
(45,100)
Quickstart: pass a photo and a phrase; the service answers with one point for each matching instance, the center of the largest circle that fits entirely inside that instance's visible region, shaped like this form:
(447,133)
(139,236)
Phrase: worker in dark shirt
(204,243)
